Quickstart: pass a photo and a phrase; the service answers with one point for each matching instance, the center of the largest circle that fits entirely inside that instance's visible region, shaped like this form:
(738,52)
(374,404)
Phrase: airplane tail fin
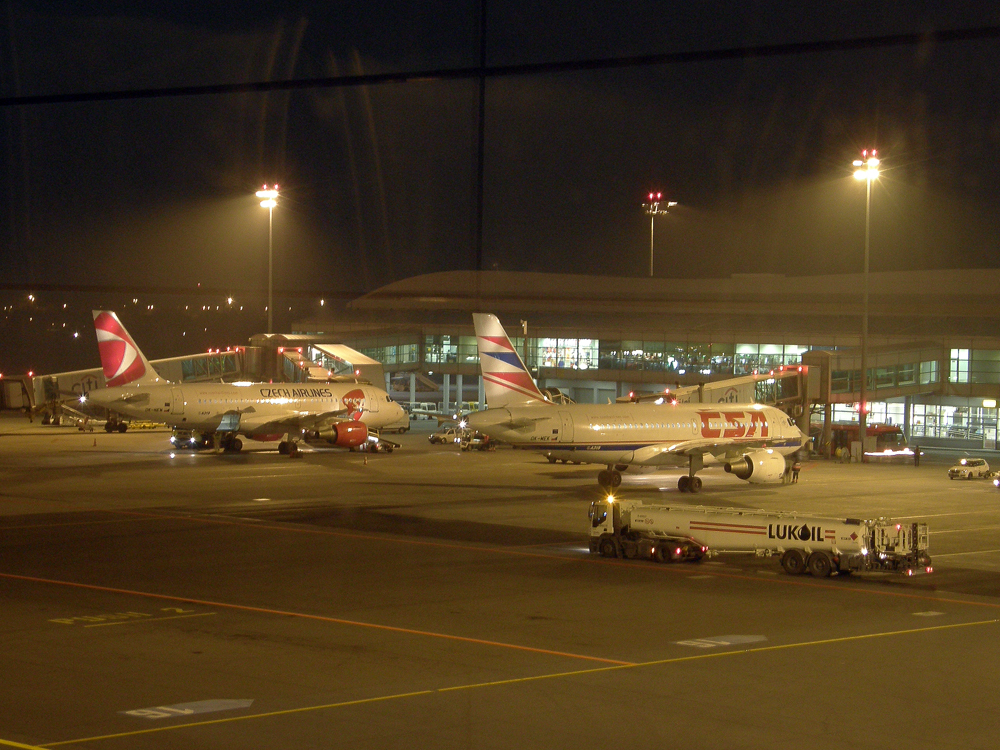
(121,359)
(507,380)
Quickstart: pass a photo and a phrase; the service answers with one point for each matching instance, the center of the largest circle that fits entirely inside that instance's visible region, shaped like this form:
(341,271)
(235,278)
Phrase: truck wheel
(794,562)
(663,553)
(607,548)
(820,564)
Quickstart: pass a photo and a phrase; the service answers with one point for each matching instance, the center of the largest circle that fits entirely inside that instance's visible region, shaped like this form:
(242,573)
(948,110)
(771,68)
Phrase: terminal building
(933,347)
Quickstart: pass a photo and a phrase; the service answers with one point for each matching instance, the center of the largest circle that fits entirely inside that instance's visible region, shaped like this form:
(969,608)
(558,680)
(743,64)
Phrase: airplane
(207,414)
(750,441)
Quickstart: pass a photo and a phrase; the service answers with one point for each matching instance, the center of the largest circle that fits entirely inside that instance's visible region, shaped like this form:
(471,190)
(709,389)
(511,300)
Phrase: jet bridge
(784,388)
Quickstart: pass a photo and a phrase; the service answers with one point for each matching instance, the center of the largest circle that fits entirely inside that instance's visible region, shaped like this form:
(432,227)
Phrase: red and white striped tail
(507,380)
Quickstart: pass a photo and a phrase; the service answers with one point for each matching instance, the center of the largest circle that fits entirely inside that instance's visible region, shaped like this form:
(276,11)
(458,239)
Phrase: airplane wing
(291,421)
(669,453)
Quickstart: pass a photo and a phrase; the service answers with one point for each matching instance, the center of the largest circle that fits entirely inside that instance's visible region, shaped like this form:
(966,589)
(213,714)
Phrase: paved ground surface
(431,598)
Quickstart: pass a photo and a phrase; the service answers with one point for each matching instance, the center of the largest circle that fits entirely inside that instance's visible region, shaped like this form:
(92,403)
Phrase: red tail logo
(119,354)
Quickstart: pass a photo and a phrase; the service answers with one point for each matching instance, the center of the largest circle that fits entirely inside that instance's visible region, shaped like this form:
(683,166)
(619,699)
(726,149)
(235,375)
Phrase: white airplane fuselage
(244,408)
(643,433)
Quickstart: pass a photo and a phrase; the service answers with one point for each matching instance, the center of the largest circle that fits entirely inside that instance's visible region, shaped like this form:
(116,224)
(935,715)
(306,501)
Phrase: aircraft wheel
(293,450)
(109,426)
(607,548)
(820,564)
(683,482)
(46,418)
(604,478)
(616,479)
(794,562)
(695,484)
(122,427)
(57,421)
(283,447)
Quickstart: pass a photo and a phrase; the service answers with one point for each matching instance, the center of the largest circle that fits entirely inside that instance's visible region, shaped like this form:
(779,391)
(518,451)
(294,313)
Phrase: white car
(970,468)
(447,436)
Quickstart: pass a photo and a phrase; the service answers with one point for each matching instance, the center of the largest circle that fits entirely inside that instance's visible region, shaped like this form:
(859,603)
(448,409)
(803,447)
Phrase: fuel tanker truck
(630,529)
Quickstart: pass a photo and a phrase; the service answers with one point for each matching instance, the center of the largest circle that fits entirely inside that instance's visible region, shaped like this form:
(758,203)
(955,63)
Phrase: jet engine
(344,434)
(759,467)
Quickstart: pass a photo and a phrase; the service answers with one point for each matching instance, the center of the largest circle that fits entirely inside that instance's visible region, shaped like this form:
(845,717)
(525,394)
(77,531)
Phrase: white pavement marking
(974,552)
(961,531)
(186,709)
(722,640)
(929,613)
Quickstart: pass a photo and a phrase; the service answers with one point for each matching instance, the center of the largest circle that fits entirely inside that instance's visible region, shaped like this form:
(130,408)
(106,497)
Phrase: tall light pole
(654,209)
(866,168)
(270,196)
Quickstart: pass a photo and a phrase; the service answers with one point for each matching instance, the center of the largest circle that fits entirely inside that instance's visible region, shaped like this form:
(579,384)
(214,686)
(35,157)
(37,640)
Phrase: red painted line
(306,616)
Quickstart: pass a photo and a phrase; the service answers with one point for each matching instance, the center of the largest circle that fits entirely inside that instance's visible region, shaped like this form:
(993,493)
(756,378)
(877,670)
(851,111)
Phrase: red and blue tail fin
(507,380)
(121,359)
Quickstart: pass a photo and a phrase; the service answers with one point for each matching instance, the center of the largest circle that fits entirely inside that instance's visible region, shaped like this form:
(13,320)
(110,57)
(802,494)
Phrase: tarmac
(434,598)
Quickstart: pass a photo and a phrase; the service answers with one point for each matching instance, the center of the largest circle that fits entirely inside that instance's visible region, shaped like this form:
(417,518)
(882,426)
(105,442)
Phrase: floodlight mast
(866,168)
(270,196)
(654,209)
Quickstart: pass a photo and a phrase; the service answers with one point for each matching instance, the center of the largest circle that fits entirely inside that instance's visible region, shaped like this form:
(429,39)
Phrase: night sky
(380,182)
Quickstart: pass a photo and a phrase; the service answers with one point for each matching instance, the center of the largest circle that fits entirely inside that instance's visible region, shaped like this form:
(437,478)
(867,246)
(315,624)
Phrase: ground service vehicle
(628,528)
(969,468)
(476,441)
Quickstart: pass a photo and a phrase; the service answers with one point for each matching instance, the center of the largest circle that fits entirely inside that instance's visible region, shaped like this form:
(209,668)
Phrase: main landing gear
(231,444)
(113,425)
(611,477)
(690,482)
(687,483)
(289,448)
